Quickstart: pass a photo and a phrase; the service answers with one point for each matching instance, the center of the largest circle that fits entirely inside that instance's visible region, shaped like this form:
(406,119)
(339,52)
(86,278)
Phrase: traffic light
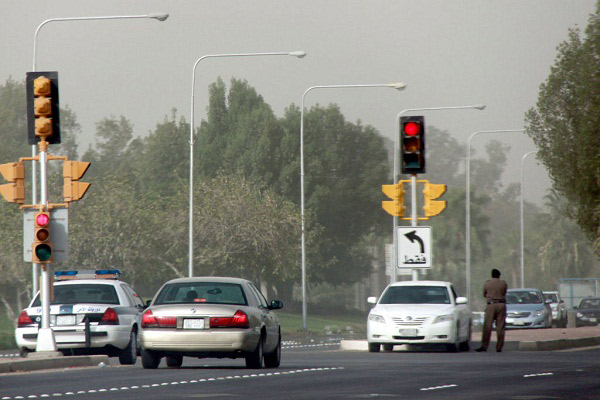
(43,121)
(433,191)
(42,246)
(396,206)
(14,172)
(412,144)
(72,172)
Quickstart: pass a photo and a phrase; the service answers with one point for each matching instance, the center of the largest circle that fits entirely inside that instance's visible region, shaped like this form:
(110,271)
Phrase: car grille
(521,314)
(409,321)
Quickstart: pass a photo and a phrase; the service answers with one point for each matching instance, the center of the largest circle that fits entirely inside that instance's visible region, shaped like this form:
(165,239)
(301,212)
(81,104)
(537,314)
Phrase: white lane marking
(540,374)
(309,345)
(298,371)
(439,387)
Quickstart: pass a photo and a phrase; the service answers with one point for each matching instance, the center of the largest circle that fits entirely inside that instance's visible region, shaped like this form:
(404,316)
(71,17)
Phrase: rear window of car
(82,293)
(202,292)
(551,296)
(415,295)
(590,303)
(523,297)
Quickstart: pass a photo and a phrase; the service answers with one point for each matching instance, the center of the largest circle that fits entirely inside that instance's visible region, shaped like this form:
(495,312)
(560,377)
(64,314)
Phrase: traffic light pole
(413,214)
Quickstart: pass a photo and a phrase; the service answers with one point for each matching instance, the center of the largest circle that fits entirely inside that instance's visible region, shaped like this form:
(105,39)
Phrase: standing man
(494,291)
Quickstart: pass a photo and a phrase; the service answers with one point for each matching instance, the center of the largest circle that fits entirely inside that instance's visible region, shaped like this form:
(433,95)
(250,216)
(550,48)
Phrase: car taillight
(239,320)
(110,317)
(150,321)
(24,320)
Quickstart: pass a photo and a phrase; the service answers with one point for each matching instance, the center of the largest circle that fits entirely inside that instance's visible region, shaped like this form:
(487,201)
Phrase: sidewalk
(523,339)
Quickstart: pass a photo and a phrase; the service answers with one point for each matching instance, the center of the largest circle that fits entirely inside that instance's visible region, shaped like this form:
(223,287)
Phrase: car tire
(273,360)
(128,356)
(388,347)
(374,347)
(454,347)
(466,345)
(150,359)
(256,359)
(23,352)
(174,361)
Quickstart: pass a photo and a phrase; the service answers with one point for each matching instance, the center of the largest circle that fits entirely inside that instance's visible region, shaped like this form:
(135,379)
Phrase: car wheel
(128,355)
(454,347)
(374,347)
(274,359)
(466,345)
(150,359)
(388,347)
(174,361)
(23,352)
(256,359)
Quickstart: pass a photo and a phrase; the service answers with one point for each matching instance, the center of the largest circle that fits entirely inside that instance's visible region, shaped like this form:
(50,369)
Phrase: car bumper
(524,323)
(178,340)
(442,332)
(74,337)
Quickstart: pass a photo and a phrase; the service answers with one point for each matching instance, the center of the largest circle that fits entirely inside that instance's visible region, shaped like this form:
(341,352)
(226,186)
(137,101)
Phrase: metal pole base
(45,340)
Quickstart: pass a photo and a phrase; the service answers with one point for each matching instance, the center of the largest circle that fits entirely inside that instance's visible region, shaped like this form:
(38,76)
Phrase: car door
(132,307)
(462,314)
(269,318)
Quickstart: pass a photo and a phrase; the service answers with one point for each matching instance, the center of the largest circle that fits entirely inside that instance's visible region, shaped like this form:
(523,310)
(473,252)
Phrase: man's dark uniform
(494,291)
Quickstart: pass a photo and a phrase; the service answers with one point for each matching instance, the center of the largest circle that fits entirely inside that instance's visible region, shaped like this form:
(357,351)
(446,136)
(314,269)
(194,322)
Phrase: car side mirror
(372,300)
(148,303)
(276,305)
(562,301)
(461,300)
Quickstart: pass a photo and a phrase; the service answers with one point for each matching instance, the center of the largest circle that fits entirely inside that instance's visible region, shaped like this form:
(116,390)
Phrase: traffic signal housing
(432,192)
(42,245)
(14,172)
(412,144)
(73,171)
(43,119)
(395,192)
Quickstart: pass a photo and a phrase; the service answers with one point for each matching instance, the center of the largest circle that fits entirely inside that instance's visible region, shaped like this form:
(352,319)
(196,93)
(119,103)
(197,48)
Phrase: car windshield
(590,303)
(551,296)
(523,297)
(415,295)
(82,293)
(202,292)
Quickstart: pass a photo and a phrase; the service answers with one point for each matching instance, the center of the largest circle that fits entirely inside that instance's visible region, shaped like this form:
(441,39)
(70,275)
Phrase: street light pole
(157,16)
(397,86)
(396,177)
(521,216)
(468,204)
(298,54)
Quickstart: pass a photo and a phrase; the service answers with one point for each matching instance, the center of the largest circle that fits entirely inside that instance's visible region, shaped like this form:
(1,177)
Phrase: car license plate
(408,332)
(195,323)
(518,323)
(593,320)
(66,319)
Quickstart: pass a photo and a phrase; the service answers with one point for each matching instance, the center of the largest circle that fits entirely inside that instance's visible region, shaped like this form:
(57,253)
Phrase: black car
(588,312)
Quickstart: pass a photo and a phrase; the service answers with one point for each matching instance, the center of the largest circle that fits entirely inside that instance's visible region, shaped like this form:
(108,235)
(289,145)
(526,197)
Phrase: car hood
(421,309)
(524,307)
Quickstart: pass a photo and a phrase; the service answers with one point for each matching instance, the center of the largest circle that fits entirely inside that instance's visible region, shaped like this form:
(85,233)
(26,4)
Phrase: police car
(91,312)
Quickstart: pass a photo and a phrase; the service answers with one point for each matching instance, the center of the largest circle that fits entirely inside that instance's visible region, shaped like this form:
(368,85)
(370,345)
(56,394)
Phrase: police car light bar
(87,274)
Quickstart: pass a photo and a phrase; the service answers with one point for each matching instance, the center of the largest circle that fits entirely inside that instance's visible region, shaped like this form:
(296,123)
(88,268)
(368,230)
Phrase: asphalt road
(319,371)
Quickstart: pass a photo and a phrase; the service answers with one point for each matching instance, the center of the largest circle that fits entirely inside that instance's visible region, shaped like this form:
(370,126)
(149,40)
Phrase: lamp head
(397,85)
(480,107)
(159,16)
(299,53)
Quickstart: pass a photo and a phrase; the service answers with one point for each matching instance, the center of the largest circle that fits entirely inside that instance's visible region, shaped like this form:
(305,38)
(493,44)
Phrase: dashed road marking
(439,387)
(134,387)
(540,374)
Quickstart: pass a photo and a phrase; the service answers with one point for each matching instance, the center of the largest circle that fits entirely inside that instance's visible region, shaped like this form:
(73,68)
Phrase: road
(320,371)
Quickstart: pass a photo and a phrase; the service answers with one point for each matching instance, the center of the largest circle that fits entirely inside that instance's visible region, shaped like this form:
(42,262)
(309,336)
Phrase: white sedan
(419,313)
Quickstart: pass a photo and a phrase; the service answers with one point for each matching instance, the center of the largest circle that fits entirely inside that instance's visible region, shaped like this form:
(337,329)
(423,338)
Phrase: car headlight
(376,318)
(443,318)
(539,312)
(579,315)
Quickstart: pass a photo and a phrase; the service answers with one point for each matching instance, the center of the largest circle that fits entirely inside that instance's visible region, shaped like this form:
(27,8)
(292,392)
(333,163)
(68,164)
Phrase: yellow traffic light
(432,206)
(72,172)
(42,246)
(14,172)
(42,107)
(395,192)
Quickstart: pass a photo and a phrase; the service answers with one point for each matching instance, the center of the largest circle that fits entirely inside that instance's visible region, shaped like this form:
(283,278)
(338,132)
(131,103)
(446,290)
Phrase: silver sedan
(211,317)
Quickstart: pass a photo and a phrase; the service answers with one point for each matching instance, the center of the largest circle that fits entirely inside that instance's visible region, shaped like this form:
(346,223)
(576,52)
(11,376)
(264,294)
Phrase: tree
(565,125)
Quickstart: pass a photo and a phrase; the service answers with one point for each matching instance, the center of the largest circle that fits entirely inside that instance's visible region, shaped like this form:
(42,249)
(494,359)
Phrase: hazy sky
(449,53)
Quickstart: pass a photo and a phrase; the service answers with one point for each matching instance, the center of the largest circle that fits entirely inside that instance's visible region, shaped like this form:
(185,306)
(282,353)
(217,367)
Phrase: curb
(23,365)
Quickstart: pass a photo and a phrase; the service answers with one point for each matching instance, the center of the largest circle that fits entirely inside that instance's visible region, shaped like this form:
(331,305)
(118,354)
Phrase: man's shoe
(480,349)
(498,350)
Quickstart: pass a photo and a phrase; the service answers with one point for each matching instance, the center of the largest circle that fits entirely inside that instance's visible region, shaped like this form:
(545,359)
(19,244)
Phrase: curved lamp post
(521,216)
(298,54)
(468,204)
(396,176)
(395,85)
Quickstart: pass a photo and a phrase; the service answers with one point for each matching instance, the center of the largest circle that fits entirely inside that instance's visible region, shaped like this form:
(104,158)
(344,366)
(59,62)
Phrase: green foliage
(565,125)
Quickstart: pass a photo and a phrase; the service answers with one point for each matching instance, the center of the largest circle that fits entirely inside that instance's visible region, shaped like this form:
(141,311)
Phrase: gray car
(526,308)
(210,317)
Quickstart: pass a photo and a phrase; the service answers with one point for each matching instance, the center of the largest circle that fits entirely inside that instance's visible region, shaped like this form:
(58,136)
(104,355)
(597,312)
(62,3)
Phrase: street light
(298,54)
(46,341)
(394,85)
(468,204)
(521,216)
(396,176)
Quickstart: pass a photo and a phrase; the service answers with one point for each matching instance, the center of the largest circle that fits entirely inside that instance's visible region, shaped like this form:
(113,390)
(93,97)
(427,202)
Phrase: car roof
(550,291)
(524,290)
(213,279)
(421,283)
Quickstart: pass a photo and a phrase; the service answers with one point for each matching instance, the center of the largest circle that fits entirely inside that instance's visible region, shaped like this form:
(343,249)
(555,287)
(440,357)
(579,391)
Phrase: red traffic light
(42,219)
(412,129)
